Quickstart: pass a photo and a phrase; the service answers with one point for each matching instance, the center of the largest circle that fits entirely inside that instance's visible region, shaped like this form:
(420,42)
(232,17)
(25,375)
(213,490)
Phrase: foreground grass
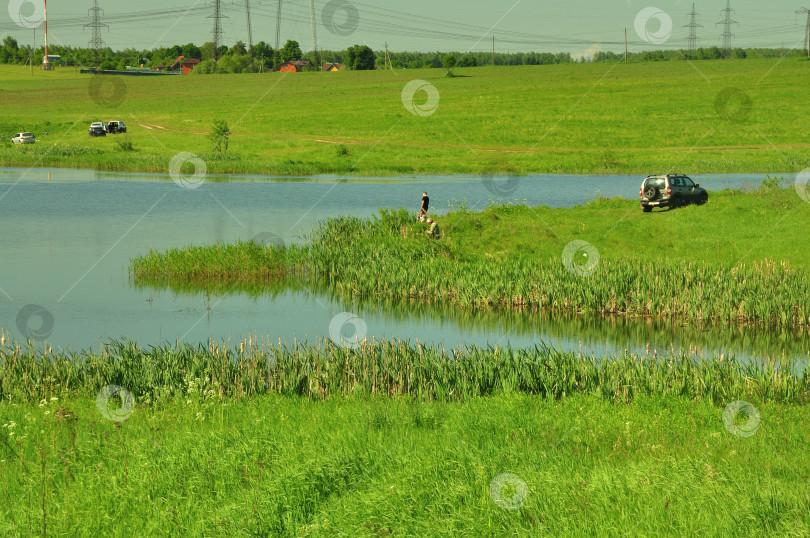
(389,438)
(354,466)
(716,263)
(712,116)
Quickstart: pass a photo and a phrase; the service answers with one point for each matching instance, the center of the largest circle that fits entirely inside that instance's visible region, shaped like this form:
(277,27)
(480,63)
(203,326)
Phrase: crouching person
(433,231)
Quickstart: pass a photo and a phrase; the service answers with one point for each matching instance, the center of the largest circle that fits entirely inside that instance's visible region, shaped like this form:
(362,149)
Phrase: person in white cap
(433,231)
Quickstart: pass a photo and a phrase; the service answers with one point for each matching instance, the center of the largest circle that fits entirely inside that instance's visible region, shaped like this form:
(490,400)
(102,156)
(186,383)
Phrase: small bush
(125,144)
(220,136)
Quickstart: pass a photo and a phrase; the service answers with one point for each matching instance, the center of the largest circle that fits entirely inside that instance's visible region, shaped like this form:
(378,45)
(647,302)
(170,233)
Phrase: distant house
(294,66)
(329,66)
(178,63)
(189,65)
(160,67)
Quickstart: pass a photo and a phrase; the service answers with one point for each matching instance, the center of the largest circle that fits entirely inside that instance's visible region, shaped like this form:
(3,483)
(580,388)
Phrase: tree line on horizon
(262,57)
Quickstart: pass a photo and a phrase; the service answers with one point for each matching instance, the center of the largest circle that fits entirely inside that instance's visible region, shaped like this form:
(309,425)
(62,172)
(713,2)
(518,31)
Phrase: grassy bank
(736,260)
(576,118)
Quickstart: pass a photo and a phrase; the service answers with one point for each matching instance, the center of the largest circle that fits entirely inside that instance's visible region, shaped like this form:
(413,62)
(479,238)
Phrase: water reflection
(69,235)
(590,334)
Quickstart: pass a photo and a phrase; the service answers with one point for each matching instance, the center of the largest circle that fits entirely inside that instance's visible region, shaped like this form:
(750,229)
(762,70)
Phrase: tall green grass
(202,465)
(386,368)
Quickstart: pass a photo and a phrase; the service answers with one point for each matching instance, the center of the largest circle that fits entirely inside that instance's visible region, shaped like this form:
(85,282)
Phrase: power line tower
(314,35)
(727,37)
(96,43)
(806,30)
(692,40)
(250,34)
(278,35)
(217,32)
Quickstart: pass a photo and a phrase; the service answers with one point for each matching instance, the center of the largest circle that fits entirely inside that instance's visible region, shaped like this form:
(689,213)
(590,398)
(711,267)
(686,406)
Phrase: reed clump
(389,258)
(385,368)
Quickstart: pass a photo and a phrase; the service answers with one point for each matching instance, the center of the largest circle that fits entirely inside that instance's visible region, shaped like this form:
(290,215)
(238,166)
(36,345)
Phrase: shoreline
(159,176)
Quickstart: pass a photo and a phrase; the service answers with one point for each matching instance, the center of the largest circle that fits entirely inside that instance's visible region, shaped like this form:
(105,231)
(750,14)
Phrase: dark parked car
(671,190)
(116,127)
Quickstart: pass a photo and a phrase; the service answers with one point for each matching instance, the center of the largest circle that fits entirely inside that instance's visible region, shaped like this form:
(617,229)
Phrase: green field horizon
(636,118)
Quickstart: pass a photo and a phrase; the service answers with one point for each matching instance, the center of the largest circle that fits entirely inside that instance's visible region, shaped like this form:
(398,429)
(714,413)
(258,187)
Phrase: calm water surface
(68,237)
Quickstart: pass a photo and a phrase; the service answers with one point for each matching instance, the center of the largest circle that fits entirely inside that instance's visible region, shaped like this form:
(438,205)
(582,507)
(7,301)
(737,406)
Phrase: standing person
(425,203)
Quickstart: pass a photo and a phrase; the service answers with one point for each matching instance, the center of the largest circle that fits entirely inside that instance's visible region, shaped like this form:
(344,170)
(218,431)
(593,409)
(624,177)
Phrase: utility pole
(95,40)
(45,65)
(727,37)
(625,45)
(278,34)
(250,34)
(493,50)
(692,40)
(807,30)
(314,35)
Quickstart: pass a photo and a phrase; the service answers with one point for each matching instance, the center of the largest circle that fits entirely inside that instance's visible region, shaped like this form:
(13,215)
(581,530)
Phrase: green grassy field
(392,439)
(735,260)
(276,466)
(656,117)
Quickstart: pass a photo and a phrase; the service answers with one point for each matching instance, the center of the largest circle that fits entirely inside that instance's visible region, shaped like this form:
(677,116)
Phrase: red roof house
(189,65)
(294,66)
(177,63)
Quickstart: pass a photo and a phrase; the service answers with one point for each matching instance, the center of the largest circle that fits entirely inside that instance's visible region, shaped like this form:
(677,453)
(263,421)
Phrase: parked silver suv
(23,138)
(671,190)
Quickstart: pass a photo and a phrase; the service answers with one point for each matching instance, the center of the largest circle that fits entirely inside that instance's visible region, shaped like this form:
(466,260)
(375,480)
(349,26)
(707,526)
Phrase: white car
(97,128)
(23,138)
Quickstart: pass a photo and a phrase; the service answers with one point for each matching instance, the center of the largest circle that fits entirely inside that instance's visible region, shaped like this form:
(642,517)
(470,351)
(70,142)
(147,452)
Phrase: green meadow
(640,118)
(276,466)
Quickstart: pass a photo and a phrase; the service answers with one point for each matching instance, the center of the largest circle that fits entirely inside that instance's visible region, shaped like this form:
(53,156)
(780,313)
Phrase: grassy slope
(357,467)
(733,228)
(637,118)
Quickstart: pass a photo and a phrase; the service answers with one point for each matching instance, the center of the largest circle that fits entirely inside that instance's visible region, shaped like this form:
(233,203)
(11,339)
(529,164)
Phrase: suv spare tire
(650,192)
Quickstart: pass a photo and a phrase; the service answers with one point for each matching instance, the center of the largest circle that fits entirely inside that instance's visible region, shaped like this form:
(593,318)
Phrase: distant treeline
(237,59)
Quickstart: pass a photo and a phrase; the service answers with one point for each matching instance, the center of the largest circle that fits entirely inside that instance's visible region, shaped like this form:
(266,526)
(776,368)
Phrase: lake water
(68,237)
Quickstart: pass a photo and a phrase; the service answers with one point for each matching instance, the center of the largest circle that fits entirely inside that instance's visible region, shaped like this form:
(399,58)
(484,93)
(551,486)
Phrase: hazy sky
(574,26)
